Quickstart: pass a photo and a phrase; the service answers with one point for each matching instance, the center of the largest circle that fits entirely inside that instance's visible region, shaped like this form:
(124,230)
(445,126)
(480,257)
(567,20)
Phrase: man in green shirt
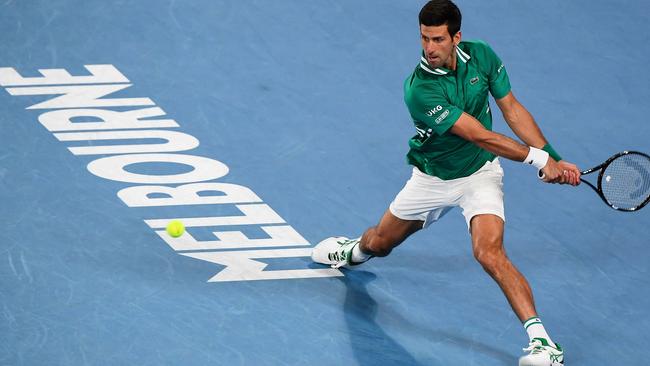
(454,155)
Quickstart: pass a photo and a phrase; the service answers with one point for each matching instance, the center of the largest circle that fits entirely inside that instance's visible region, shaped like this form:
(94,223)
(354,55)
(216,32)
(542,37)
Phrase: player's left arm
(523,124)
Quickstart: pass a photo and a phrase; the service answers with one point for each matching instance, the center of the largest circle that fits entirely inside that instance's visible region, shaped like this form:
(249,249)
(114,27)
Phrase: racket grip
(540,175)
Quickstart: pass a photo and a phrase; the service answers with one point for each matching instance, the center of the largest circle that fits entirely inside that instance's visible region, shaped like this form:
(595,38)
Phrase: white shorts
(426,198)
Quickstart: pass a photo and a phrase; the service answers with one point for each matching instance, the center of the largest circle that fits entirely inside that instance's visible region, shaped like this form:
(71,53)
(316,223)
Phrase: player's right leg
(391,231)
(377,241)
(423,200)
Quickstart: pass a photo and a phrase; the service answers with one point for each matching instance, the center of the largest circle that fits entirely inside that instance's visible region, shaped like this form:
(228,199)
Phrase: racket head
(624,181)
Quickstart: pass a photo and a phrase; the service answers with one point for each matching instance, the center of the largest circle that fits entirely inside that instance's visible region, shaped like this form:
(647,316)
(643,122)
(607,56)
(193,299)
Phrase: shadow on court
(367,338)
(370,341)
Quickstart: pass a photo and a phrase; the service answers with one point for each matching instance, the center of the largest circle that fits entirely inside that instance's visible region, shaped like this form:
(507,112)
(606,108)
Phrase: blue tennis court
(267,126)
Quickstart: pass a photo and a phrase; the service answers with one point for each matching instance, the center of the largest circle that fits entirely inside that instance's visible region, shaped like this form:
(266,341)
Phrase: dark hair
(440,12)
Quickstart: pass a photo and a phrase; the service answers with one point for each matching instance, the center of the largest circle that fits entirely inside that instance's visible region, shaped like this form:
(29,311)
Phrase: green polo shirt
(436,97)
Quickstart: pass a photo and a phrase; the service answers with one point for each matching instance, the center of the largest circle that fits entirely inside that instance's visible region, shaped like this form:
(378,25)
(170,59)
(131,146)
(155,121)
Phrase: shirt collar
(424,64)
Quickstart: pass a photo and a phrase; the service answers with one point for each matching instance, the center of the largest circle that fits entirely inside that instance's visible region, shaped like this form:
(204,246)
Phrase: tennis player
(454,158)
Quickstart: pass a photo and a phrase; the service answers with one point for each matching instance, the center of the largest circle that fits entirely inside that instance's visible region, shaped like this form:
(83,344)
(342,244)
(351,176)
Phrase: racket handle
(540,175)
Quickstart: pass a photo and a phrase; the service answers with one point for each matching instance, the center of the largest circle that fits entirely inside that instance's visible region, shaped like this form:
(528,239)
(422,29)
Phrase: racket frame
(599,188)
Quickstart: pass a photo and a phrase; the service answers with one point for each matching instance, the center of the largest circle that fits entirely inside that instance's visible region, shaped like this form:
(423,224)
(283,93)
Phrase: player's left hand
(571,173)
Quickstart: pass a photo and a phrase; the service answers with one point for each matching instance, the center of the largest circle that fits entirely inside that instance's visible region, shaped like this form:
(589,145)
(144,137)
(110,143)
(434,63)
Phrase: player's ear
(457,37)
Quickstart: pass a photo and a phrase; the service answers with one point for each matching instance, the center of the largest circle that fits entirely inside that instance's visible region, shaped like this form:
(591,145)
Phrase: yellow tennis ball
(175,228)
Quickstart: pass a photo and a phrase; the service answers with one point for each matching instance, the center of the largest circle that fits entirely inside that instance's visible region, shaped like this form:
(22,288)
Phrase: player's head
(441,12)
(440,30)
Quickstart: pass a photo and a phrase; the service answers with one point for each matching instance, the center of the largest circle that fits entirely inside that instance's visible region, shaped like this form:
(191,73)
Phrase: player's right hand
(572,171)
(554,173)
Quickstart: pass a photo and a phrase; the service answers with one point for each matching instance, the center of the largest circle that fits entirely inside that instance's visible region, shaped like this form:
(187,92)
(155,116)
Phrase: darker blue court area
(302,102)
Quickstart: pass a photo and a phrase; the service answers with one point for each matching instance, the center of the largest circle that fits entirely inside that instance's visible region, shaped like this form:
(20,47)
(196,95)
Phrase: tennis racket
(623,180)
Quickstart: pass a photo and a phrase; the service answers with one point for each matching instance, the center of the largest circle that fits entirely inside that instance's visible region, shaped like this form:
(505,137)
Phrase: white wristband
(536,157)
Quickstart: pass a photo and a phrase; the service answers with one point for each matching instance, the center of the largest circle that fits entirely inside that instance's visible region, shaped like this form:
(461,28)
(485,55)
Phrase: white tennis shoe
(335,252)
(542,354)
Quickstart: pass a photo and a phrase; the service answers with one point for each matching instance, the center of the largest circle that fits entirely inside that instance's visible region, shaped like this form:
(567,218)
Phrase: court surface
(298,107)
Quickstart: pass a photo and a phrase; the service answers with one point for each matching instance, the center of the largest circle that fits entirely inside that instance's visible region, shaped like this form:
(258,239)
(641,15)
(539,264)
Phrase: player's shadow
(373,346)
(370,343)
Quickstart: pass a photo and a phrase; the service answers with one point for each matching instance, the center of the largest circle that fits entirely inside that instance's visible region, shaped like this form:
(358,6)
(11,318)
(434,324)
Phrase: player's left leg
(487,244)
(482,204)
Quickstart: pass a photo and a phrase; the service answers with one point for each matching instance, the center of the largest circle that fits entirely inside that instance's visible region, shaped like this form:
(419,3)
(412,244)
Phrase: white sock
(359,256)
(535,329)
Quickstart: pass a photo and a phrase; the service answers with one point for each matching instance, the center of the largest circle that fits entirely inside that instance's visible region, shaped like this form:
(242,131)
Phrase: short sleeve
(431,107)
(496,73)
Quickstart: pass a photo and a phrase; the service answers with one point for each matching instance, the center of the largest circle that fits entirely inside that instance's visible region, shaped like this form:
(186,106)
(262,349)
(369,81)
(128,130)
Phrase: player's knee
(491,259)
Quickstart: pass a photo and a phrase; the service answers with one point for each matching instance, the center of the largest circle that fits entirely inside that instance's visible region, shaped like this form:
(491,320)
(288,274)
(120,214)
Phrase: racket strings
(626,181)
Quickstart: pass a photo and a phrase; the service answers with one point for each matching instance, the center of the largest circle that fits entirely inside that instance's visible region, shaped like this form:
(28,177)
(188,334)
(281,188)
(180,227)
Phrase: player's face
(439,47)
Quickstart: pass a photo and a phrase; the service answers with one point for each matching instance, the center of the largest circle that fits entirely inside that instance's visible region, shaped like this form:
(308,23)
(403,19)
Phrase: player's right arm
(429,104)
(468,128)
